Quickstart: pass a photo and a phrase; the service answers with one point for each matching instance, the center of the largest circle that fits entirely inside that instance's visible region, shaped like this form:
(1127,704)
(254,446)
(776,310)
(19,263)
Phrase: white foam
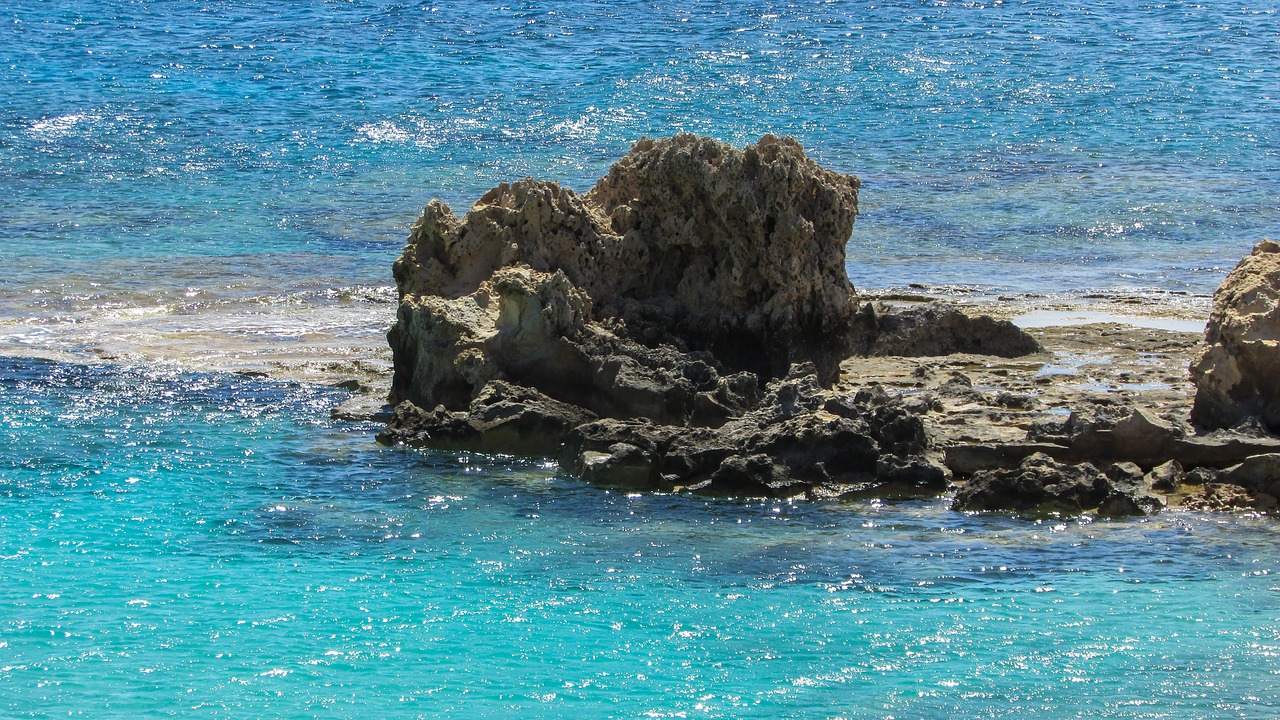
(383,131)
(56,127)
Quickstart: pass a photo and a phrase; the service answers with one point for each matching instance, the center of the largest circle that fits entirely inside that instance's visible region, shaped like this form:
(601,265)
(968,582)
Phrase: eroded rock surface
(678,327)
(937,329)
(685,242)
(1238,375)
(1041,484)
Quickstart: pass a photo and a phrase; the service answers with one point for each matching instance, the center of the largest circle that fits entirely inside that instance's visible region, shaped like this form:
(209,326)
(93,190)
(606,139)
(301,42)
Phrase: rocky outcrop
(678,327)
(685,242)
(502,419)
(1040,484)
(800,440)
(1111,434)
(937,329)
(1238,375)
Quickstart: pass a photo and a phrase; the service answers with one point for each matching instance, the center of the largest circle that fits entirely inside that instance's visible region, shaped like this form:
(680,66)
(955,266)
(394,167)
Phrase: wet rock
(799,438)
(752,476)
(1127,504)
(1128,493)
(519,420)
(1166,478)
(937,329)
(1040,484)
(1237,376)
(502,419)
(623,465)
(411,425)
(363,408)
(1221,497)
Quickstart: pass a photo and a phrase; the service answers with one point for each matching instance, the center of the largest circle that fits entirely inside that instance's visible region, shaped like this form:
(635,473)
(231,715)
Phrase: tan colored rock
(686,241)
(516,320)
(1237,377)
(1221,496)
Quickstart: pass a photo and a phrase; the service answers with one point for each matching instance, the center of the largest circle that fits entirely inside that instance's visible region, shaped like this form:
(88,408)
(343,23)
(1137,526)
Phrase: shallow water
(196,180)
(205,546)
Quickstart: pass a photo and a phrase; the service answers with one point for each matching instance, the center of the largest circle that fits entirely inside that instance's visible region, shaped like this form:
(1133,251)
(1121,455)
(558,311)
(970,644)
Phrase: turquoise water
(204,545)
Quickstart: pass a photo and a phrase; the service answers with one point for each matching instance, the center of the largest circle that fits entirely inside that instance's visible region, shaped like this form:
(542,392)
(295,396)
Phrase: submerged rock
(1237,376)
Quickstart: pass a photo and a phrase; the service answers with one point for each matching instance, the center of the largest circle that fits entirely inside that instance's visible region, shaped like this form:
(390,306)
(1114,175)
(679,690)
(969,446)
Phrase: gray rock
(503,419)
(1259,474)
(938,329)
(1040,484)
(1166,478)
(624,465)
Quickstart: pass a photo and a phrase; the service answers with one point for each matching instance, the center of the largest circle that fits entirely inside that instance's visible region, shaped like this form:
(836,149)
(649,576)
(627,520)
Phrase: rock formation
(1238,375)
(937,329)
(678,327)
(685,242)
(1040,484)
(681,327)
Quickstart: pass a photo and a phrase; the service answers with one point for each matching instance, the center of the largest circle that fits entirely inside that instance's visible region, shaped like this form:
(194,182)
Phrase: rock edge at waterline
(682,327)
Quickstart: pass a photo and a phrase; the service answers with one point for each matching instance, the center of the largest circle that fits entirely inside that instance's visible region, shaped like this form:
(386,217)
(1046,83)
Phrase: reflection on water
(178,540)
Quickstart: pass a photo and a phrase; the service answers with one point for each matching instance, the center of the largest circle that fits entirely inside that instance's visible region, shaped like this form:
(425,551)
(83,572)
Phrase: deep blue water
(1031,146)
(204,545)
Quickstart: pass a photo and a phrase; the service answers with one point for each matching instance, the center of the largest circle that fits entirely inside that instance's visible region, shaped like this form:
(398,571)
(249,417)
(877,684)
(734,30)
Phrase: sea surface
(183,180)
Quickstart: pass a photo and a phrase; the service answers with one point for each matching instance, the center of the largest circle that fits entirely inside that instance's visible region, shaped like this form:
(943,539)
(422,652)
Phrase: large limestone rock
(686,241)
(678,327)
(1238,375)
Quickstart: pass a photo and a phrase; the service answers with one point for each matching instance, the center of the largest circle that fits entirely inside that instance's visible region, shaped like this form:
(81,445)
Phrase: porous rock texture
(679,327)
(686,242)
(1237,376)
(1041,484)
